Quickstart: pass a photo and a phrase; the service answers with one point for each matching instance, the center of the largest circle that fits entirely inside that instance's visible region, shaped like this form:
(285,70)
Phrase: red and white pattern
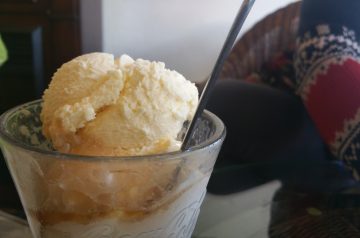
(328,80)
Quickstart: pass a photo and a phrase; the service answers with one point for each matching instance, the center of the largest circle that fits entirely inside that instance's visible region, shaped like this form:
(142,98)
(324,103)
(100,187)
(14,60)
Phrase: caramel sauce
(48,218)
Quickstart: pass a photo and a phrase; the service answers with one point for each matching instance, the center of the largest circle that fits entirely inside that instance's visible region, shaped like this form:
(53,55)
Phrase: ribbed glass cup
(75,196)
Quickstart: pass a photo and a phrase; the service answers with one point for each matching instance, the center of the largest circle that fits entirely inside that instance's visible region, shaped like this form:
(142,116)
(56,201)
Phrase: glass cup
(77,196)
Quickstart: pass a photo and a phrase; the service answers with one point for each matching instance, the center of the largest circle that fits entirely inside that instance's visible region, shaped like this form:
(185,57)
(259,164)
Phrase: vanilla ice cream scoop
(99,105)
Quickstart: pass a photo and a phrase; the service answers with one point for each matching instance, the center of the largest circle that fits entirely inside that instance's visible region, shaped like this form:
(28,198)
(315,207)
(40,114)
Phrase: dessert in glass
(99,155)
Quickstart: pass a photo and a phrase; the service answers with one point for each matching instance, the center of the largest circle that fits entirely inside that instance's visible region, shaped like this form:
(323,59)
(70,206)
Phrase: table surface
(273,210)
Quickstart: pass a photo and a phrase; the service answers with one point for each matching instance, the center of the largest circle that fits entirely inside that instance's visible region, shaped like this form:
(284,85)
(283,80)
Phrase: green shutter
(3,52)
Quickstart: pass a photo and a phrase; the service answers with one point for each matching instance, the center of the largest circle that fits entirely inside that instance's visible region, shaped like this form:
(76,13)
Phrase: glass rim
(218,136)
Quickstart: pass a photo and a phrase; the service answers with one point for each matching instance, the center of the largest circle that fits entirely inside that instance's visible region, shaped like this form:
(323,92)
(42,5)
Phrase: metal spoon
(225,51)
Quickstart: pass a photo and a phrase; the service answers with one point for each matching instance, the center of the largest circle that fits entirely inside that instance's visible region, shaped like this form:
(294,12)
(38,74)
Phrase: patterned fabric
(327,67)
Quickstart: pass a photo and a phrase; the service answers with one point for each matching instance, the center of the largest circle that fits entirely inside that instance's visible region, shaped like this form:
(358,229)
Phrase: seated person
(283,134)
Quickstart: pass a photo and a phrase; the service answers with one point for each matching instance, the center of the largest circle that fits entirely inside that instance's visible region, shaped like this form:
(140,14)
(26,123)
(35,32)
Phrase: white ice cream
(99,105)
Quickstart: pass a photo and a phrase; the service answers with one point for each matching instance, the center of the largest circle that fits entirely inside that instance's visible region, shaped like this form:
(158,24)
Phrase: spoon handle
(225,51)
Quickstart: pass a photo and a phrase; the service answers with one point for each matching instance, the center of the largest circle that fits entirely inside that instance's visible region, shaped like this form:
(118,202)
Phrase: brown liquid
(47,218)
